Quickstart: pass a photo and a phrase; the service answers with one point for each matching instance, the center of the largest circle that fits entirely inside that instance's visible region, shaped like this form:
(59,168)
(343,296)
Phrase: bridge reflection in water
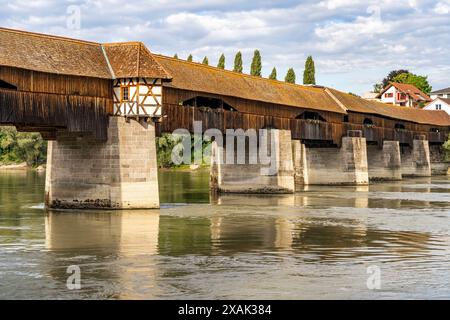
(185,250)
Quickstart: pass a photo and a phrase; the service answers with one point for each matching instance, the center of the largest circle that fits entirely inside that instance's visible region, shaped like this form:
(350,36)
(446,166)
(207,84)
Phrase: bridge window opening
(6,85)
(345,118)
(208,103)
(368,122)
(309,115)
(399,126)
(434,130)
(125,93)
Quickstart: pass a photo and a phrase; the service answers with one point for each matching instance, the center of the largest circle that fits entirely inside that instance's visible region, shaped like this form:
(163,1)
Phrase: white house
(402,94)
(439,104)
(443,93)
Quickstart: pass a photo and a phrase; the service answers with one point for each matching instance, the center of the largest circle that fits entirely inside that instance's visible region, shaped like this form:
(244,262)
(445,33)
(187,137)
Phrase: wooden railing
(176,116)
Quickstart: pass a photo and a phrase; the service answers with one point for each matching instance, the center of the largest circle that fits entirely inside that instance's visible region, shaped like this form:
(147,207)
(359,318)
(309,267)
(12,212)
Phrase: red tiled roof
(410,90)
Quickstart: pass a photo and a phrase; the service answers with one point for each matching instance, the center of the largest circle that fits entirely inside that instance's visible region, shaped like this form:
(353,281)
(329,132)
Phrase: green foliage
(256,66)
(205,61)
(17,147)
(190,58)
(420,82)
(309,75)
(238,62)
(164,146)
(290,76)
(167,142)
(390,77)
(175,56)
(221,63)
(446,148)
(273,74)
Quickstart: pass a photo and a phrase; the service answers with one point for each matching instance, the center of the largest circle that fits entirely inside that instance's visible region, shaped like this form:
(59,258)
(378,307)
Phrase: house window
(438,107)
(388,95)
(125,93)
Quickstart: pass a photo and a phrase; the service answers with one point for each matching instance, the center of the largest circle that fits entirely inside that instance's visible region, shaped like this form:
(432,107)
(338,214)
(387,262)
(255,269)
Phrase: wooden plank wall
(49,102)
(176,116)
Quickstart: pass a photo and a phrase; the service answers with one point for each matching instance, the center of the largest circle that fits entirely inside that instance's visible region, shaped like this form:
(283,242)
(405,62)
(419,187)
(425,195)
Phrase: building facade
(405,95)
(439,104)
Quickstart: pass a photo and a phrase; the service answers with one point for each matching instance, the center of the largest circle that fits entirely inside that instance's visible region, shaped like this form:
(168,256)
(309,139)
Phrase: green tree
(238,62)
(18,147)
(221,63)
(420,82)
(290,76)
(190,58)
(309,75)
(175,56)
(256,66)
(378,87)
(273,74)
(205,61)
(446,148)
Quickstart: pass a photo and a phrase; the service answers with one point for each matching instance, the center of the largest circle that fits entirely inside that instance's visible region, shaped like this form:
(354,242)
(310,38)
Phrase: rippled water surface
(315,244)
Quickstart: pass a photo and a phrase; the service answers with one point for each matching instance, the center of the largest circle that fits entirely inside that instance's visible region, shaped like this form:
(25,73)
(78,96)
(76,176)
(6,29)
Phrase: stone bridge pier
(120,173)
(253,166)
(384,163)
(346,165)
(416,158)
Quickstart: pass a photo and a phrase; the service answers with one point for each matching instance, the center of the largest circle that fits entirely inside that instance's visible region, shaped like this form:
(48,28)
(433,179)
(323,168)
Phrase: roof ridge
(201,65)
(45,35)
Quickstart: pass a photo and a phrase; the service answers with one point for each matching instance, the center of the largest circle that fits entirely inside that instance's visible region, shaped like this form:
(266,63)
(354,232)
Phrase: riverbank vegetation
(18,147)
(168,142)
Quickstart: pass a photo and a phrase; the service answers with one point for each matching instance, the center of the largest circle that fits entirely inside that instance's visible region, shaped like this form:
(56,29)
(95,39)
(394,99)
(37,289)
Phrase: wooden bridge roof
(59,55)
(357,104)
(198,77)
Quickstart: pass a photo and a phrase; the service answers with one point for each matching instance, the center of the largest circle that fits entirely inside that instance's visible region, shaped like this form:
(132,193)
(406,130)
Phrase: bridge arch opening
(368,122)
(7,85)
(208,103)
(310,115)
(436,130)
(400,126)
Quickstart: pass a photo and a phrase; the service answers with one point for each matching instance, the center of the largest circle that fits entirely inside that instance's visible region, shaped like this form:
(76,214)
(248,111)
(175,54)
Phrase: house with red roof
(402,94)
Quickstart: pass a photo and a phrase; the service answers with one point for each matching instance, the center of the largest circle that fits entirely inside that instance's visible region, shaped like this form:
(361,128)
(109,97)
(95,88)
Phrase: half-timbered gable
(138,80)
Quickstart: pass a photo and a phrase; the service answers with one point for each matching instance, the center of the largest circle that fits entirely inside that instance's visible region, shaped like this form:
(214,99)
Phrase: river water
(389,240)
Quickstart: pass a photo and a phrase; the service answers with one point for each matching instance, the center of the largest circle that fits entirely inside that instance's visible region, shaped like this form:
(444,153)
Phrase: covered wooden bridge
(101,105)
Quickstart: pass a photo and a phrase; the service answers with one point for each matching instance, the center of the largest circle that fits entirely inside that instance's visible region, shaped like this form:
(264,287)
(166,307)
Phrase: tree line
(309,77)
(18,147)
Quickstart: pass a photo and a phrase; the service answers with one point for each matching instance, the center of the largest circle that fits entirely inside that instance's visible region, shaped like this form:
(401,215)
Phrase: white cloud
(352,42)
(442,7)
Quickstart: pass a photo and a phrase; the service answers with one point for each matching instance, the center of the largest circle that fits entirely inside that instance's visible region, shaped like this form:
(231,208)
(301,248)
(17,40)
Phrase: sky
(354,43)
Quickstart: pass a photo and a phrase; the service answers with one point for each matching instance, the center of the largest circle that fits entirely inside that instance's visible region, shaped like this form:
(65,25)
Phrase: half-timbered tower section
(138,78)
(97,103)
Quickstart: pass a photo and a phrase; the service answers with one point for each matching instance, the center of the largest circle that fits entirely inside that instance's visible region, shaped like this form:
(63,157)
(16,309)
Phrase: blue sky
(354,43)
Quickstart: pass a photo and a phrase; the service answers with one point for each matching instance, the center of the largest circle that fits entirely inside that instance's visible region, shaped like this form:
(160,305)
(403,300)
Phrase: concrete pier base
(250,173)
(439,165)
(385,163)
(120,173)
(416,159)
(331,166)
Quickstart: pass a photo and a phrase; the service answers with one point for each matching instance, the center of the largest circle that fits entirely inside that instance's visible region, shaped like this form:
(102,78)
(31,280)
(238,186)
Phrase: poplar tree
(309,76)
(175,56)
(238,62)
(189,58)
(221,63)
(290,76)
(273,74)
(256,64)
(205,61)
